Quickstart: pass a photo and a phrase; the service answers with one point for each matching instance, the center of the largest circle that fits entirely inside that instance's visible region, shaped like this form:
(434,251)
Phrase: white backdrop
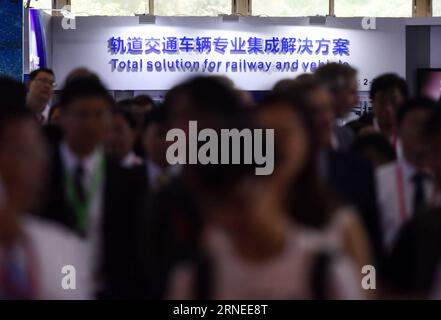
(372,52)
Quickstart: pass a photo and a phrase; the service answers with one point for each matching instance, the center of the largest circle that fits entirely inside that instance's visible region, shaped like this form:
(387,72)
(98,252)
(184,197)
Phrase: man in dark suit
(157,171)
(388,92)
(341,81)
(351,177)
(414,264)
(95,197)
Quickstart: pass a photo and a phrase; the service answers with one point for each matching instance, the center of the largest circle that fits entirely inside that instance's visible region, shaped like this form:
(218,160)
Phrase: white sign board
(254,52)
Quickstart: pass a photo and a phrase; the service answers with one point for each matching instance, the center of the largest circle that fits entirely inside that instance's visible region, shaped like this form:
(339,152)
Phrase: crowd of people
(90,208)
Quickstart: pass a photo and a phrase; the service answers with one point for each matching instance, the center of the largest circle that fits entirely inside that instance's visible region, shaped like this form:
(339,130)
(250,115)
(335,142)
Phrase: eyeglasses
(51,83)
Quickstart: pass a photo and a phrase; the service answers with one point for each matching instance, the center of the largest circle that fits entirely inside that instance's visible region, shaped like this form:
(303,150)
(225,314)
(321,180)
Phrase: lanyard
(401,196)
(81,208)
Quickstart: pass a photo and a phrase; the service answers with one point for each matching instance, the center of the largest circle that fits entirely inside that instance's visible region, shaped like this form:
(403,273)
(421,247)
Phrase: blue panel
(11,44)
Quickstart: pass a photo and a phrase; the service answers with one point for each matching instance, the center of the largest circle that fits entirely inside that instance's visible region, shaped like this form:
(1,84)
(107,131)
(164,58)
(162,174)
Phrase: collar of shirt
(90,162)
(409,170)
(341,122)
(130,160)
(154,171)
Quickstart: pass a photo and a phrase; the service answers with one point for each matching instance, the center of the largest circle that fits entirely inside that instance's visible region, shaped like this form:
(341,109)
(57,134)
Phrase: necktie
(79,182)
(419,195)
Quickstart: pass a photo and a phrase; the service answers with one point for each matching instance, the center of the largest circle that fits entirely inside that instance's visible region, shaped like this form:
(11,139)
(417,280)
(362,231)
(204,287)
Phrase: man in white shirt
(414,263)
(158,171)
(406,185)
(94,196)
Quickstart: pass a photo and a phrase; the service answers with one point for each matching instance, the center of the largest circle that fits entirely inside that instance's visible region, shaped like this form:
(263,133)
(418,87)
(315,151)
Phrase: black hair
(171,96)
(8,118)
(375,141)
(126,115)
(335,75)
(284,86)
(13,95)
(142,100)
(389,81)
(81,73)
(125,104)
(208,94)
(303,85)
(156,116)
(419,103)
(84,87)
(35,73)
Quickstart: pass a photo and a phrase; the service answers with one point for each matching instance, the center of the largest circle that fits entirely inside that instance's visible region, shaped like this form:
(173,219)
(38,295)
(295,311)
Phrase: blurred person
(13,94)
(406,185)
(351,177)
(53,130)
(121,137)
(414,265)
(375,148)
(341,80)
(309,91)
(20,142)
(94,196)
(40,91)
(127,105)
(32,252)
(142,105)
(338,221)
(207,100)
(388,92)
(157,169)
(80,73)
(283,86)
(250,246)
(246,98)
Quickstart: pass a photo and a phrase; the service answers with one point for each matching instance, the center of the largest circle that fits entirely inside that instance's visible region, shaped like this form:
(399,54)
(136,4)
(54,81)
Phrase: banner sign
(255,52)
